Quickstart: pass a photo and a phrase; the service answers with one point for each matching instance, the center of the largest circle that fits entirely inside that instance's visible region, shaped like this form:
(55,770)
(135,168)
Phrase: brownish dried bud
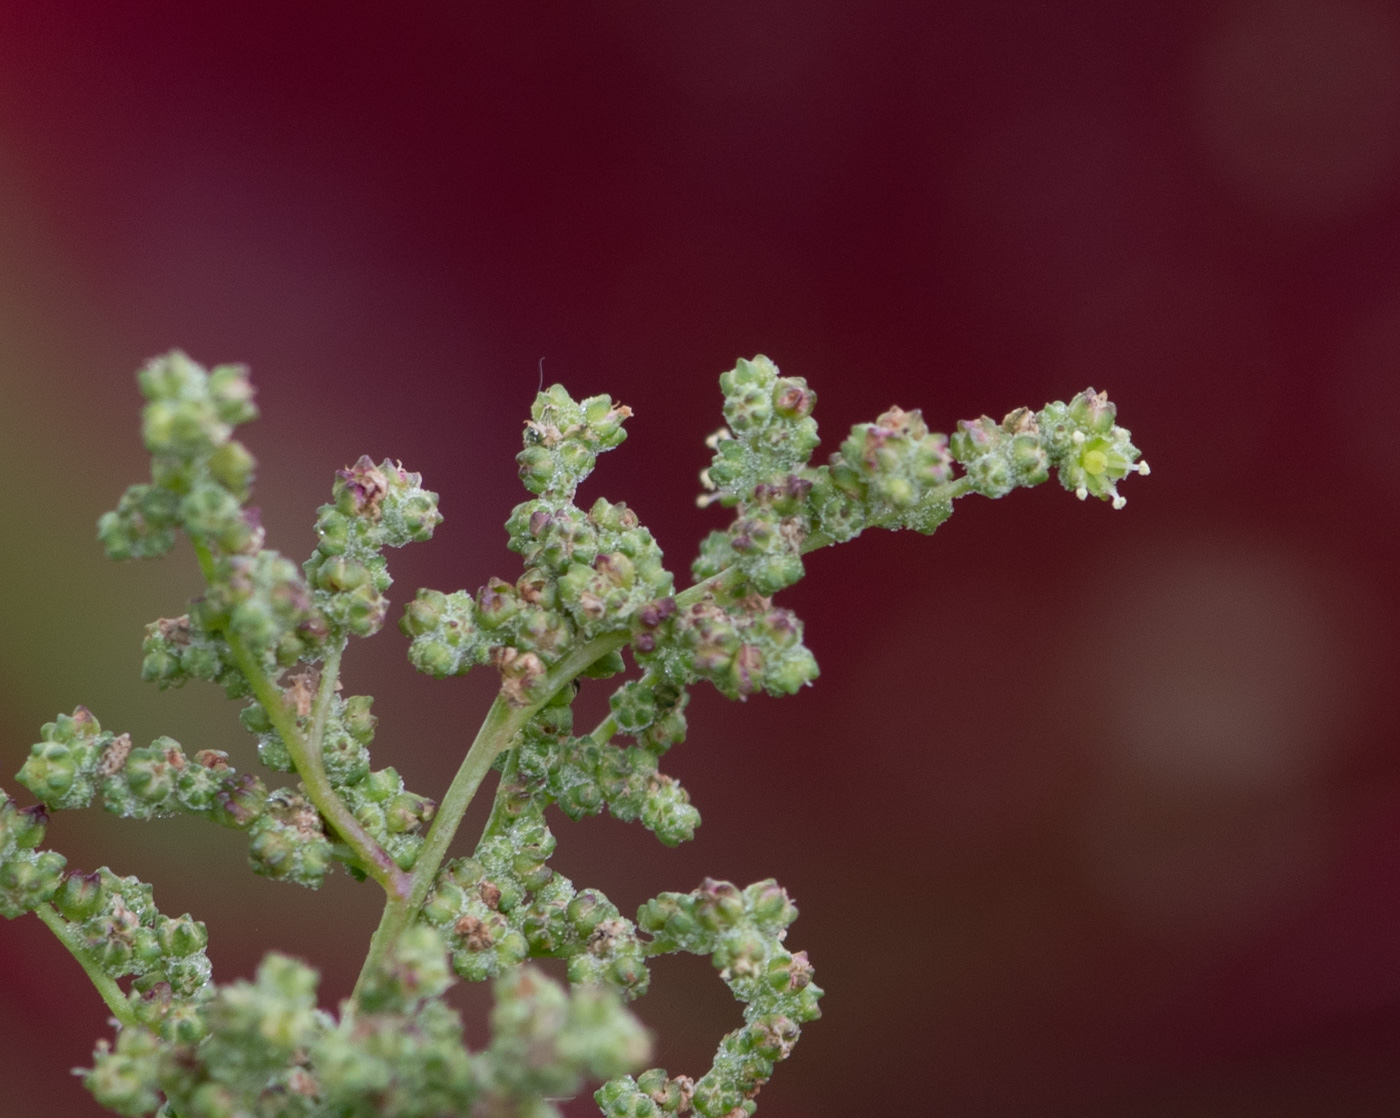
(519,673)
(300,690)
(215,759)
(115,755)
(532,587)
(604,935)
(1022,421)
(301,1082)
(176,630)
(475,933)
(794,400)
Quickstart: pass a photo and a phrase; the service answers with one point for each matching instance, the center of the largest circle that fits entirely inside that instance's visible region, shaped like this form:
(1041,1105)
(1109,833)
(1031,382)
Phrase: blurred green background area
(1091,813)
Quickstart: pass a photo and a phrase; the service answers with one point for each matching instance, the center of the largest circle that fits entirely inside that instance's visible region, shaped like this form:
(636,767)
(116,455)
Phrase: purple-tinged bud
(360,489)
(718,904)
(496,603)
(792,399)
(241,802)
(29,826)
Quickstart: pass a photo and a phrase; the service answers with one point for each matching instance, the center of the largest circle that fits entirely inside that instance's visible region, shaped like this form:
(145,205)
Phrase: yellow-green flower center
(1094,462)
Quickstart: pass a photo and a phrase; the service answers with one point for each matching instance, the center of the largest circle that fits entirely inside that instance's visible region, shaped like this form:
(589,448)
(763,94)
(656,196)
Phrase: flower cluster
(594,600)
(263,1047)
(200,475)
(393,816)
(29,876)
(585,776)
(1089,450)
(506,904)
(742,931)
(374,507)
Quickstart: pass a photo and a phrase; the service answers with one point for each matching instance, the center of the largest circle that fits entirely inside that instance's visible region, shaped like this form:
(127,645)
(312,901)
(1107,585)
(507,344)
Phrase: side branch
(306,757)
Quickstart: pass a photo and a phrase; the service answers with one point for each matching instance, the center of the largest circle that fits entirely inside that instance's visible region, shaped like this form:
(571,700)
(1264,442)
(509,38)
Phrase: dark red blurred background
(1092,813)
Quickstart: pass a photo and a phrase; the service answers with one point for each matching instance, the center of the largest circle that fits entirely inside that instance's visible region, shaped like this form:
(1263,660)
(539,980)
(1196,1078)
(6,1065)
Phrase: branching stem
(305,751)
(497,733)
(306,757)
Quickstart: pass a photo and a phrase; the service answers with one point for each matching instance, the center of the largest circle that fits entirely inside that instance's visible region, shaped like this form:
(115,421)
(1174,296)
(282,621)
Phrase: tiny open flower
(1092,453)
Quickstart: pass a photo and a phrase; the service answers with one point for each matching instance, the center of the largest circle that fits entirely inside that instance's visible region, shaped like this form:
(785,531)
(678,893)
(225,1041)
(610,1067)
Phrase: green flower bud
(443,904)
(607,666)
(183,1025)
(50,772)
(22,827)
(231,465)
(183,428)
(79,896)
(127,1080)
(287,841)
(232,394)
(434,658)
(382,785)
(536,468)
(141,525)
(150,772)
(408,812)
(333,531)
(145,950)
(340,574)
(424,613)
(668,812)
(29,879)
(182,936)
(359,722)
(255,719)
(769,903)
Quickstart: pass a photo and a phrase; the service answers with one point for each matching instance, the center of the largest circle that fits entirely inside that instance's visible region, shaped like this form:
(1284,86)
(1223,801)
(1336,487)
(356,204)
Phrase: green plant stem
(497,820)
(606,730)
(206,560)
(106,985)
(306,757)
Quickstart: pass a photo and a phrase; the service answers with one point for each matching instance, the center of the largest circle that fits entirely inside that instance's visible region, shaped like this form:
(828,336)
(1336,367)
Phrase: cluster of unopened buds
(594,601)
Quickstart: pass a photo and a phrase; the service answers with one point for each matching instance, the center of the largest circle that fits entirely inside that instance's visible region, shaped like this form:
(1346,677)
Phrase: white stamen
(1142,469)
(1082,493)
(1077,438)
(1119,502)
